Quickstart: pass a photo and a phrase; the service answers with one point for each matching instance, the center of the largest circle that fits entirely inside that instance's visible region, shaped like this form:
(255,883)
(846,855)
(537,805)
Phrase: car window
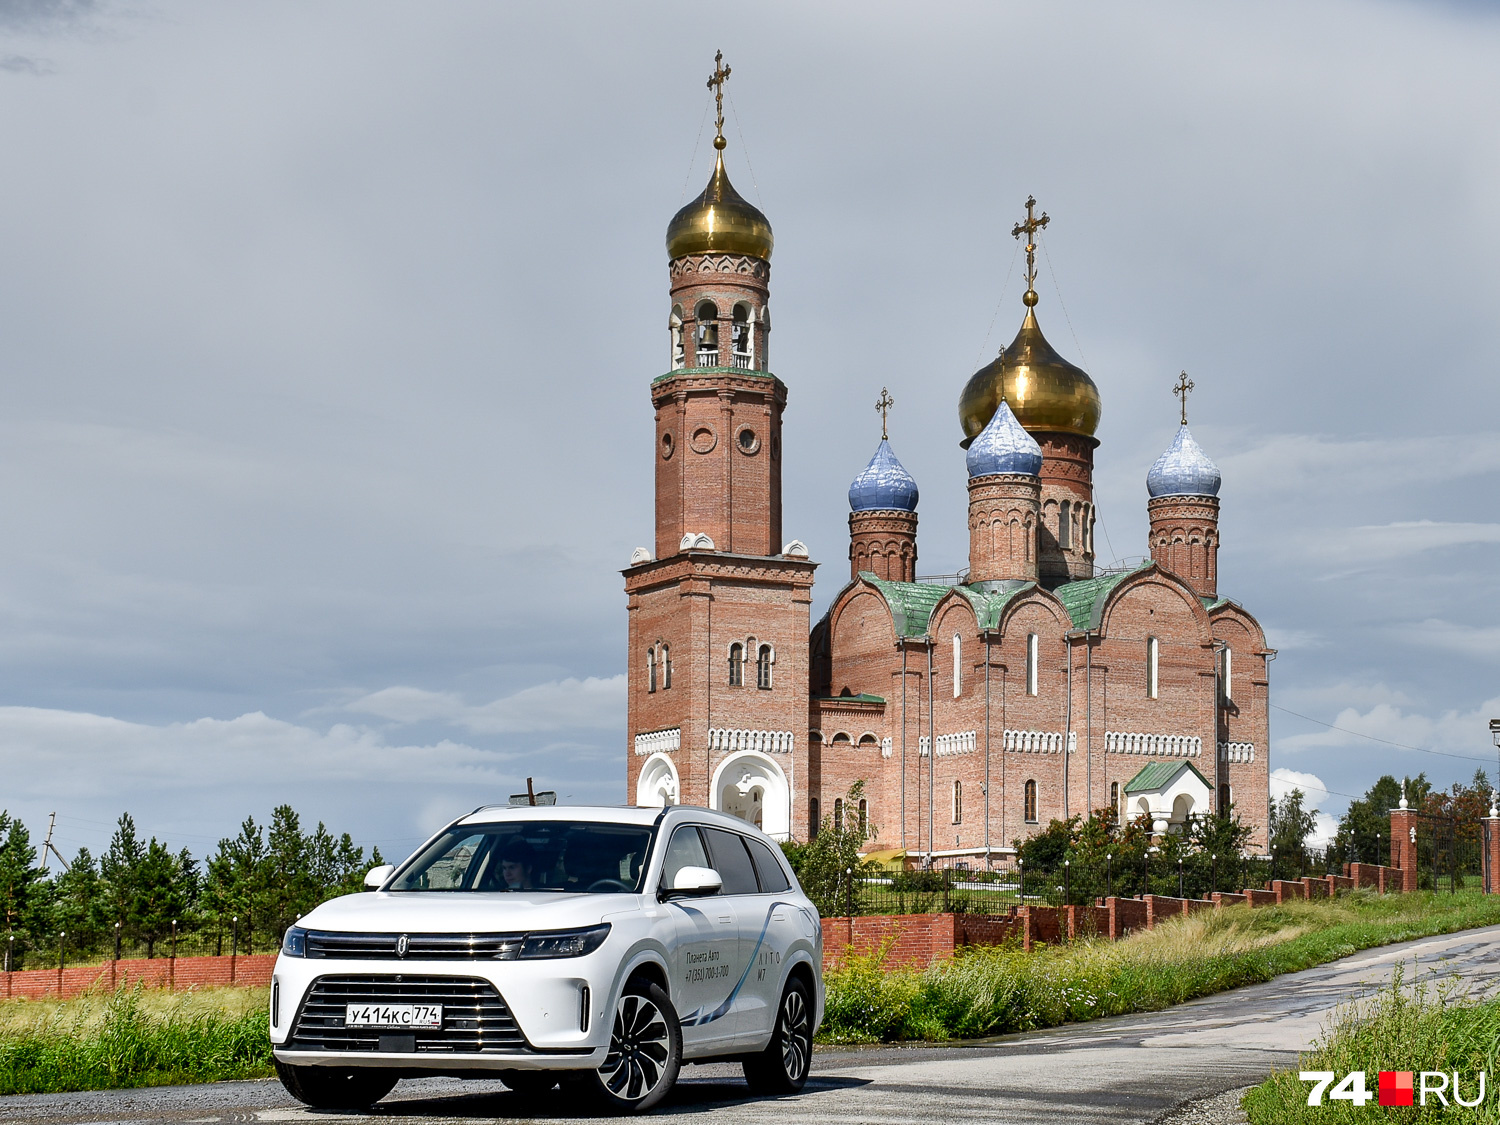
(685,850)
(772,877)
(732,862)
(558,855)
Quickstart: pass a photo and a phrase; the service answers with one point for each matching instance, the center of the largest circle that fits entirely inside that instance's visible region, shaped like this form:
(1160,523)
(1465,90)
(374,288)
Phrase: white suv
(596,947)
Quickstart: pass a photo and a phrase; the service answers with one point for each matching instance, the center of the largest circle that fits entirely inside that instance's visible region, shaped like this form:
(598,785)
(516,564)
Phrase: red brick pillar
(1490,833)
(1404,845)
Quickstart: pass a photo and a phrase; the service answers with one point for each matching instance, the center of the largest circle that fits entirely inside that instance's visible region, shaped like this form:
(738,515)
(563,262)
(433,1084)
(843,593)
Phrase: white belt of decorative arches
(765,741)
(1161,745)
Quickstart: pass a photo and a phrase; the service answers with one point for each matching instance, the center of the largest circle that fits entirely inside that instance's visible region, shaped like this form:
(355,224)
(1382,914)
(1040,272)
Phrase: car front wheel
(782,1067)
(326,1087)
(645,1052)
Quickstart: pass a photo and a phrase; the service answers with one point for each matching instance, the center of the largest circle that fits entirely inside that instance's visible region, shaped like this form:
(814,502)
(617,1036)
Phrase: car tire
(529,1083)
(327,1087)
(645,1053)
(782,1067)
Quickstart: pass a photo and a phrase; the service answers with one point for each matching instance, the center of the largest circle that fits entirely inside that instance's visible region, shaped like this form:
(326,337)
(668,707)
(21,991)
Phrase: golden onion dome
(1045,391)
(720,221)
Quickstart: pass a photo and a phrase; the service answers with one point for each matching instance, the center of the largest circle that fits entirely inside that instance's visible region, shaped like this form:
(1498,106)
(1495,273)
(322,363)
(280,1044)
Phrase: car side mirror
(693,882)
(376,876)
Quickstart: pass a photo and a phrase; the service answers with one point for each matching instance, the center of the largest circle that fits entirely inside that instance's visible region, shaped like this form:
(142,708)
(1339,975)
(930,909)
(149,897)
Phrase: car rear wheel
(327,1087)
(782,1067)
(645,1052)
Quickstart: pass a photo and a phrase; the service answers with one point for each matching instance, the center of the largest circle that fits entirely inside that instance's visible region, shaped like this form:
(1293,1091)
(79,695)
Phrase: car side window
(732,862)
(685,850)
(772,876)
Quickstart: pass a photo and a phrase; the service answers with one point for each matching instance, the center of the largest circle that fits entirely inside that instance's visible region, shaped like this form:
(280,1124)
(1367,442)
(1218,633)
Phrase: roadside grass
(992,991)
(134,1037)
(1431,1027)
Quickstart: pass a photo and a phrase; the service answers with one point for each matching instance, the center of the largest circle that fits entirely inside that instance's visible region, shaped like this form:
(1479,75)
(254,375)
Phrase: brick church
(1040,685)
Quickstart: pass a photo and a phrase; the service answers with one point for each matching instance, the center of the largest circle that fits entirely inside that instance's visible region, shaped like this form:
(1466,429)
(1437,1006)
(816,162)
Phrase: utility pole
(47,846)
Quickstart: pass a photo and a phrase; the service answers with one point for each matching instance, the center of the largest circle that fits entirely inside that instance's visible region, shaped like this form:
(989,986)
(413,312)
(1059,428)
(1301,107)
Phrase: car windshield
(538,855)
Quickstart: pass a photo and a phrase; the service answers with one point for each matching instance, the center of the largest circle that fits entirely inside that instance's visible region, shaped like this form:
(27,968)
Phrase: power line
(1399,745)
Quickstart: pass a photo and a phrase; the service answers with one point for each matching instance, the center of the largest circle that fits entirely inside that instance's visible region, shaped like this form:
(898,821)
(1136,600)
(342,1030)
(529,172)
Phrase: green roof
(1084,599)
(988,605)
(862,697)
(911,603)
(1158,774)
(714,371)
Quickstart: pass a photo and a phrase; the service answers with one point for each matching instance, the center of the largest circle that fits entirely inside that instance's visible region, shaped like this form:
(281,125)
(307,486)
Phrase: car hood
(429,912)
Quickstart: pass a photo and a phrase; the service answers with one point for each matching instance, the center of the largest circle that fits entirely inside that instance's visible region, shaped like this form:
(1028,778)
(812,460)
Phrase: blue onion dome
(1004,447)
(1183,470)
(884,485)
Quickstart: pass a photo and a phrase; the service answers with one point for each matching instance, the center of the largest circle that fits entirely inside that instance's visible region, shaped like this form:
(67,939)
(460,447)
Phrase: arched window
(838,814)
(815,822)
(763,661)
(1114,795)
(1228,674)
(707,315)
(666,667)
(958,802)
(741,336)
(864,817)
(958,674)
(674,323)
(1031,802)
(1033,652)
(1153,667)
(651,669)
(1224,801)
(1065,525)
(736,664)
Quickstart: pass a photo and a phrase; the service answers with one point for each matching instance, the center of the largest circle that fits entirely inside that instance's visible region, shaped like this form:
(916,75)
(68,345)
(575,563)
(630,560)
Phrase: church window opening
(666,446)
(763,661)
(864,817)
(666,667)
(736,665)
(1228,674)
(1114,795)
(741,336)
(707,315)
(1224,799)
(679,357)
(958,802)
(1033,650)
(651,669)
(838,814)
(814,821)
(749,443)
(1031,802)
(1064,525)
(958,674)
(1153,667)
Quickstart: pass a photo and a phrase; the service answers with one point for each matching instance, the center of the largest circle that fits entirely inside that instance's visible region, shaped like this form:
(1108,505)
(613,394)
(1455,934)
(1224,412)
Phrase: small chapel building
(1038,686)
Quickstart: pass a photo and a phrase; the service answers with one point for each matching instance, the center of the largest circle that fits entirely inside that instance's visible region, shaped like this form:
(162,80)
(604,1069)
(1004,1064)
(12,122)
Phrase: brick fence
(249,970)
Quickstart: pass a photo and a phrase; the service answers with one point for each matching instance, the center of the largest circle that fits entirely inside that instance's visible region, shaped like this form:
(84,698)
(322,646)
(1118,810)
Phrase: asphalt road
(1128,1069)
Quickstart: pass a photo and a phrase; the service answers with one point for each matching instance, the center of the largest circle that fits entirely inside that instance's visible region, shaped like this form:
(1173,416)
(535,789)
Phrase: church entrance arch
(753,787)
(657,786)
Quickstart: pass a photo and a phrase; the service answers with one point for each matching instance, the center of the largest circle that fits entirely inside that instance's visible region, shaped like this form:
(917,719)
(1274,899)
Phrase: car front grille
(475,1017)
(420,947)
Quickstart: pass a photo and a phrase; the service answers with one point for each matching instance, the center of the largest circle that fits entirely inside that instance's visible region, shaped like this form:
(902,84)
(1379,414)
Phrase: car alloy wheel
(645,1051)
(782,1067)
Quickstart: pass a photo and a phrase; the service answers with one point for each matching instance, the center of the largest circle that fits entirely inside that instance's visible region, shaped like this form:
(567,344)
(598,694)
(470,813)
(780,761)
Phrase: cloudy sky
(326,330)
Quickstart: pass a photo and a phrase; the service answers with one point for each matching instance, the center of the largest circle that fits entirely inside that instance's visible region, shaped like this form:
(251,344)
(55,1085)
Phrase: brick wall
(1287,890)
(1259,897)
(1314,888)
(1125,916)
(1221,899)
(162,972)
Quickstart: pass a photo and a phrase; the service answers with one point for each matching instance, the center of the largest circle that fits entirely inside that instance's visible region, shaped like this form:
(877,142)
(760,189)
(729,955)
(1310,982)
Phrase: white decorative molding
(692,542)
(1237,751)
(1162,745)
(640,555)
(964,742)
(1039,741)
(765,741)
(885,747)
(924,744)
(658,742)
(796,549)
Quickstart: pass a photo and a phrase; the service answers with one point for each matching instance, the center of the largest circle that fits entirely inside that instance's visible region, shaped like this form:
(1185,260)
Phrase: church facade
(1038,686)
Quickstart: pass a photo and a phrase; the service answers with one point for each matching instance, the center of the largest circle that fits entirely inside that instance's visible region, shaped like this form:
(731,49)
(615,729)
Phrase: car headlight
(294,943)
(564,943)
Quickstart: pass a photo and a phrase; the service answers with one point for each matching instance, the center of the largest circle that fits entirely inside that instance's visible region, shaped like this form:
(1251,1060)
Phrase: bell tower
(719,613)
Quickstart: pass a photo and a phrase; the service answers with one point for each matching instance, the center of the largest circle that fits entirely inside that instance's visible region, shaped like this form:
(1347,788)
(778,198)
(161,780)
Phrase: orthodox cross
(716,82)
(884,406)
(1029,229)
(1184,385)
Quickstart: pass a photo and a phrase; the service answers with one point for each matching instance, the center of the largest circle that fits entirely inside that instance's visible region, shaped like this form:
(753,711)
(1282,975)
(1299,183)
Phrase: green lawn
(994,991)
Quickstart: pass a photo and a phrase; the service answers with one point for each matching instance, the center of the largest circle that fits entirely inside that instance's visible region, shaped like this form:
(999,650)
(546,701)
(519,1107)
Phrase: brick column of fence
(1491,835)
(1404,846)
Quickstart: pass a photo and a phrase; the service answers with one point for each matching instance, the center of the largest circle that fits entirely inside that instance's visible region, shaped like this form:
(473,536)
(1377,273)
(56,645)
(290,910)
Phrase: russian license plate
(393,1015)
